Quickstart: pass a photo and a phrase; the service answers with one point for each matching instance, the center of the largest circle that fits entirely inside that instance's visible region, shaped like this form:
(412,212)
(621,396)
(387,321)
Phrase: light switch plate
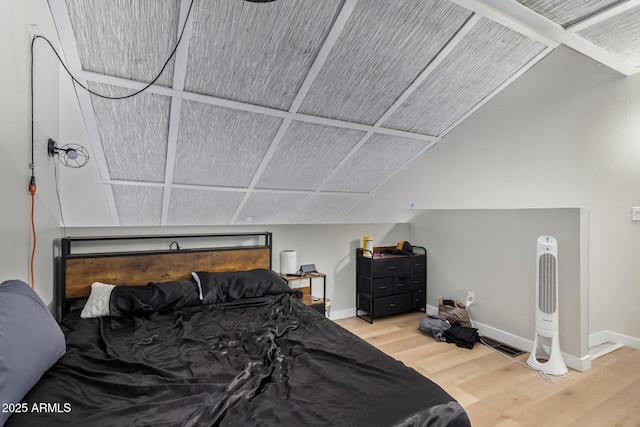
(635,213)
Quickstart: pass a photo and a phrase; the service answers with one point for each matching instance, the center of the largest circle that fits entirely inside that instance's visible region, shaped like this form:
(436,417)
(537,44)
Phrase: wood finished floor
(498,392)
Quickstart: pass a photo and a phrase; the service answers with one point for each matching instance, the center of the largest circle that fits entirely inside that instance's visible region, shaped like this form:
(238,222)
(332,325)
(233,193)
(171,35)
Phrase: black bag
(462,336)
(404,247)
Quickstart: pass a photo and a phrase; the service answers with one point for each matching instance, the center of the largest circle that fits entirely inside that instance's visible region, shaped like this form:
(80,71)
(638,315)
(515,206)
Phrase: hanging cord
(32,181)
(76,81)
(33,232)
(57,182)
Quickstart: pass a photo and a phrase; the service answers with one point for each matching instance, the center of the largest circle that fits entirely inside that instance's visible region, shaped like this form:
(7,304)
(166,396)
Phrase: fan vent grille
(547,283)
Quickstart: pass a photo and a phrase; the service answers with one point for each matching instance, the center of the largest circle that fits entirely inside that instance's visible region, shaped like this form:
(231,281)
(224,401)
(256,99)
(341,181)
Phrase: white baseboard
(602,337)
(598,338)
(574,362)
(342,314)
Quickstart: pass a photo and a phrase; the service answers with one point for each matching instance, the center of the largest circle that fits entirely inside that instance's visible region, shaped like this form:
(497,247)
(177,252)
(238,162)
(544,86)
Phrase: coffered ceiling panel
(371,65)
(377,159)
(133,133)
(477,66)
(567,12)
(324,208)
(123,38)
(307,152)
(202,207)
(138,205)
(269,208)
(219,146)
(253,52)
(321,102)
(619,35)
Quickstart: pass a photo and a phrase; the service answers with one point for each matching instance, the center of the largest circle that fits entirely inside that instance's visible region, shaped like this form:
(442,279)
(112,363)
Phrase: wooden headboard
(78,269)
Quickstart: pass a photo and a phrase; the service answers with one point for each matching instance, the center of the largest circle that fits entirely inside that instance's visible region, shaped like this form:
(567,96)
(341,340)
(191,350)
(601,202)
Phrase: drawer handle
(382,288)
(393,305)
(402,285)
(417,281)
(393,268)
(418,264)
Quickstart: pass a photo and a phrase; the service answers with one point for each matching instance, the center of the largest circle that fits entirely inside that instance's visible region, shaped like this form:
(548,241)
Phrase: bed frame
(111,259)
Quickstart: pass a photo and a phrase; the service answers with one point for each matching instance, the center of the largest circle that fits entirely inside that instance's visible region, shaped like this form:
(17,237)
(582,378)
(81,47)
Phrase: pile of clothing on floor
(452,324)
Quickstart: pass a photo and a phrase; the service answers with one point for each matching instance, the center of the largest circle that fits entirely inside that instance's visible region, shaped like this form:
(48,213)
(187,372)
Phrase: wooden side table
(307,291)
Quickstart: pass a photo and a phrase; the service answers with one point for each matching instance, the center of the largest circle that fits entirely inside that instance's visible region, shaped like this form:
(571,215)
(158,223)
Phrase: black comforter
(260,361)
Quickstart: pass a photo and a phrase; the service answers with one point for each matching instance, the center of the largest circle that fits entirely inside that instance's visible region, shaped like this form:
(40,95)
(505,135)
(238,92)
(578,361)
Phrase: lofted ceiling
(294,111)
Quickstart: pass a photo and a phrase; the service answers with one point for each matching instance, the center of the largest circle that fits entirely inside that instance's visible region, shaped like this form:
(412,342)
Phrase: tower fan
(546,356)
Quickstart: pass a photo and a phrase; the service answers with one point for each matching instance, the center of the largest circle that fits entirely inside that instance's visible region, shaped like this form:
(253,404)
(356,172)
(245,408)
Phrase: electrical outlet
(471,298)
(32,29)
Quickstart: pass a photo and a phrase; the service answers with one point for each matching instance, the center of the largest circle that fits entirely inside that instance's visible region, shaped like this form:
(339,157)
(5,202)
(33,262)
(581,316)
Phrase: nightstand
(307,289)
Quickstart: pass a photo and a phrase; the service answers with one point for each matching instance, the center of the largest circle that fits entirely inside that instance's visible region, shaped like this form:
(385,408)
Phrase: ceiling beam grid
(179,75)
(446,50)
(520,18)
(242,106)
(226,189)
(318,63)
(603,15)
(497,90)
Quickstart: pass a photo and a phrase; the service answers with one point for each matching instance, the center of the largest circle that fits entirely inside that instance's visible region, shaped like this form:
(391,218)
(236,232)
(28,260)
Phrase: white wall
(15,122)
(492,252)
(565,134)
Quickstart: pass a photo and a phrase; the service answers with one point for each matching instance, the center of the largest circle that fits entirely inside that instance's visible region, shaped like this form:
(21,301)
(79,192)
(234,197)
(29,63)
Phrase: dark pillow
(30,341)
(232,285)
(153,297)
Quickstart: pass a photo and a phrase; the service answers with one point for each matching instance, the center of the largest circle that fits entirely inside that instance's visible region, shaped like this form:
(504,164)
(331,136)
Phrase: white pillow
(197,279)
(98,303)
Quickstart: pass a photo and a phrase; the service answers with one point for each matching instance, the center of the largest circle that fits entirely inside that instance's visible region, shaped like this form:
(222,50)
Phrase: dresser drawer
(418,299)
(382,287)
(419,263)
(418,281)
(392,305)
(364,302)
(402,284)
(363,285)
(391,267)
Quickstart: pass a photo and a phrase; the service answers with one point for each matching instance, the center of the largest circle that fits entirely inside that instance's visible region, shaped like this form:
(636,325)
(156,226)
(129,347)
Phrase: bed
(214,337)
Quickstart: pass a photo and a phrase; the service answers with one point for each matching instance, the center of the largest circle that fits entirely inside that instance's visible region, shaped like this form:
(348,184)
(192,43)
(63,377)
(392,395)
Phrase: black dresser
(389,283)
